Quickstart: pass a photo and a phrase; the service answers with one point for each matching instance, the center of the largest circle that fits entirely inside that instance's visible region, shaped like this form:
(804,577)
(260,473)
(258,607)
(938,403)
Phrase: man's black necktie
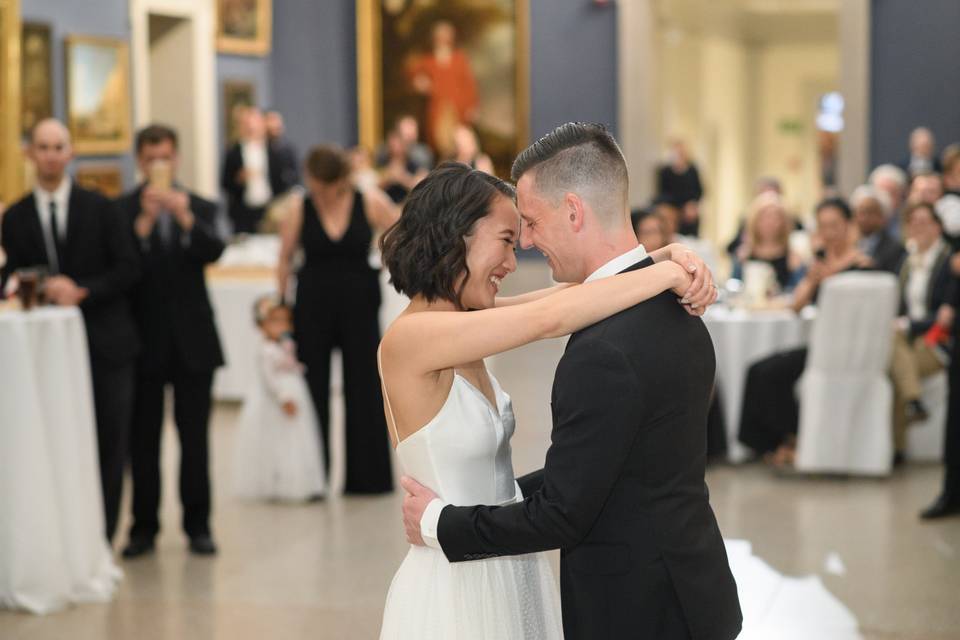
(55,232)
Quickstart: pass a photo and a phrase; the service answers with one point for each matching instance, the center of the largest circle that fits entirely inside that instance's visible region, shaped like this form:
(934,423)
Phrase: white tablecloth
(232,302)
(740,339)
(52,545)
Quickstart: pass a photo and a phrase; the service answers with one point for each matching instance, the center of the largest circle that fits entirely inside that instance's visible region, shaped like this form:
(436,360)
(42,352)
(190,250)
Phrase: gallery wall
(310,74)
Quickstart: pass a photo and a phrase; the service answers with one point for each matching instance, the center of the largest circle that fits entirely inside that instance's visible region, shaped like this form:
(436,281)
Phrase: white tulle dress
(464,456)
(278,456)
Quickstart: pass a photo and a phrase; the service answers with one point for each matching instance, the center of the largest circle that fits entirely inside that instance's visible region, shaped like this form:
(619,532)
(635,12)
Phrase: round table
(741,338)
(53,550)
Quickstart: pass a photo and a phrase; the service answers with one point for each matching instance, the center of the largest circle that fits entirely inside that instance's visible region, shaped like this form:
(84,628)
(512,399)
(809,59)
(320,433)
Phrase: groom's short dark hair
(578,157)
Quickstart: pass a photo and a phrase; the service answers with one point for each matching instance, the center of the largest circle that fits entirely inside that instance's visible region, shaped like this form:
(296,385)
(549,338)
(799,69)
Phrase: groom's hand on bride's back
(414,504)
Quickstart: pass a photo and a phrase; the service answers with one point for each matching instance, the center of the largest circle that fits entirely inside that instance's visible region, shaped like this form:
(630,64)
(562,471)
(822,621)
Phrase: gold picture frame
(11,157)
(244,26)
(36,75)
(98,94)
(501,118)
(104,178)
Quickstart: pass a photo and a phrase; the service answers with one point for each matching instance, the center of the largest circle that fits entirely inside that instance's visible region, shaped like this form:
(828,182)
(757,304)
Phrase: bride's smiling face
(491,253)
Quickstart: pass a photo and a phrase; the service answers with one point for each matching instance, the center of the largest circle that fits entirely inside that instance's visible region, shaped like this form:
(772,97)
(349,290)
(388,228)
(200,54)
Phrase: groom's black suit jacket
(622,493)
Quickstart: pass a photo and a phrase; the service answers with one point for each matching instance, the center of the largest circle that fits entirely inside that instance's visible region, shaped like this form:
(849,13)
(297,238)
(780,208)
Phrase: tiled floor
(322,570)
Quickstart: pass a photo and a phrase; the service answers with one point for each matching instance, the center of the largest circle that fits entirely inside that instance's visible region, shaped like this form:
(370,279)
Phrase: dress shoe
(137,547)
(917,412)
(945,505)
(203,545)
(899,458)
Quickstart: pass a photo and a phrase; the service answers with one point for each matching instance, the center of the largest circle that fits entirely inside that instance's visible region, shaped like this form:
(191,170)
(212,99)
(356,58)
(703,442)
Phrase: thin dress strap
(386,398)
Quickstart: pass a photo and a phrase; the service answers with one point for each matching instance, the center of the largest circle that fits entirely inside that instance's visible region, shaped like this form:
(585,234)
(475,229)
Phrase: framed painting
(105,178)
(243,26)
(448,63)
(11,156)
(36,74)
(237,94)
(98,95)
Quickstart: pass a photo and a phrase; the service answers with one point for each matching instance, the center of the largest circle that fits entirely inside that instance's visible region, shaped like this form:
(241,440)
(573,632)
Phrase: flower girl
(278,452)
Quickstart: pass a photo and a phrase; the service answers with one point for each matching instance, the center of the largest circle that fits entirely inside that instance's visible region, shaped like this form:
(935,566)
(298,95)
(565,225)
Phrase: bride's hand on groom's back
(700,291)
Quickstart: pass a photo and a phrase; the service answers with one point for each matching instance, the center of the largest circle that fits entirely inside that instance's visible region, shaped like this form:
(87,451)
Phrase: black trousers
(951,447)
(113,389)
(246,219)
(191,413)
(770,410)
(355,330)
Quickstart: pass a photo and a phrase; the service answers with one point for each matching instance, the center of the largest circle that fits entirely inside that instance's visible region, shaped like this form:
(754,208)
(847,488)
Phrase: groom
(622,493)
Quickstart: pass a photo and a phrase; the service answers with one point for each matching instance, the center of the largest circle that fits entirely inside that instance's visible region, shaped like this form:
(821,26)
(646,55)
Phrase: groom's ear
(573,208)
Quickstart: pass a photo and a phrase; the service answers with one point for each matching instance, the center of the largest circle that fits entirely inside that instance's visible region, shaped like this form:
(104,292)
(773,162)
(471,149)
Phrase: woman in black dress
(337,301)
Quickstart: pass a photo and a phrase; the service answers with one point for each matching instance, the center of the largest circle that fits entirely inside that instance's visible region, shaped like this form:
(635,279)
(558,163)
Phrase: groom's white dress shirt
(430,520)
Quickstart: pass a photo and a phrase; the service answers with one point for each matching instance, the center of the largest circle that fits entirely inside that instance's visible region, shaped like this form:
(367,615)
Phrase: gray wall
(915,74)
(109,18)
(313,70)
(573,64)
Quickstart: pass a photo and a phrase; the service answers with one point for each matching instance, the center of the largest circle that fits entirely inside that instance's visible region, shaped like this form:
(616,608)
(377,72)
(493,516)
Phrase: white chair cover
(845,393)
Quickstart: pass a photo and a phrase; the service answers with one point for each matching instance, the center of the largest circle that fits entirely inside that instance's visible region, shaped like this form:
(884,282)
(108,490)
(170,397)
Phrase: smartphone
(161,175)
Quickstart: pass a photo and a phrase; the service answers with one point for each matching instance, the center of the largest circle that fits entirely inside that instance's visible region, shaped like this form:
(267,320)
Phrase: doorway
(171,54)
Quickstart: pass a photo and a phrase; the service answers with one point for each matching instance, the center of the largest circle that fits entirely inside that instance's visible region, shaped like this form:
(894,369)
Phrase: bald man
(79,237)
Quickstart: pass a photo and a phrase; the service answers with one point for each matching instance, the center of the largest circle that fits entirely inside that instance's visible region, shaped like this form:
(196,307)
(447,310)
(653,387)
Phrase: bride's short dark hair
(425,251)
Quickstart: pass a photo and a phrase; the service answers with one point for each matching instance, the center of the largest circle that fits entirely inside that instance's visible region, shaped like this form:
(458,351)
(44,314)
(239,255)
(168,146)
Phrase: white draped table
(741,338)
(53,550)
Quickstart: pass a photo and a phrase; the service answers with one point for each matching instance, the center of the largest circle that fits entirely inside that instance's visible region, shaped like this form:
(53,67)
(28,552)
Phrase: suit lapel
(74,224)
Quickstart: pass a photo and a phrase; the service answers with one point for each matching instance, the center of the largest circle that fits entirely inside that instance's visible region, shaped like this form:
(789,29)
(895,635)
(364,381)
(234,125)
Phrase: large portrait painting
(243,26)
(11,161)
(98,95)
(36,73)
(449,63)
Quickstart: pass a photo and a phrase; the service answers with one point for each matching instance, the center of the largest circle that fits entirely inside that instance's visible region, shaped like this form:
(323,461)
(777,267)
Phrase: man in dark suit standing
(174,231)
(253,174)
(80,238)
(622,493)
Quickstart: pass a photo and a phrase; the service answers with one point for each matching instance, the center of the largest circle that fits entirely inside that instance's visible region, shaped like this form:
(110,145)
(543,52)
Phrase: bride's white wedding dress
(463,455)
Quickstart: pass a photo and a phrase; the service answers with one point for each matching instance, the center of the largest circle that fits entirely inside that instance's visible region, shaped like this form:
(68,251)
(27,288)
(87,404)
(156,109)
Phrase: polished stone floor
(322,570)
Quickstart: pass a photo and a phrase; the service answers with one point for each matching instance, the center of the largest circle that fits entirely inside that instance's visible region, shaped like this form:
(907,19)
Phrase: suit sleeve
(597,404)
(7,241)
(124,260)
(232,164)
(531,483)
(205,246)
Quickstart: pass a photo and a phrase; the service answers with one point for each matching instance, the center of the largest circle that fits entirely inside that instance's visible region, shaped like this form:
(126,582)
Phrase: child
(278,449)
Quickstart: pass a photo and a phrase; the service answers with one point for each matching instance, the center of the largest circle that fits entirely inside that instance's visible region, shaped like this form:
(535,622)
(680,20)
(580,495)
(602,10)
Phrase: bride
(449,419)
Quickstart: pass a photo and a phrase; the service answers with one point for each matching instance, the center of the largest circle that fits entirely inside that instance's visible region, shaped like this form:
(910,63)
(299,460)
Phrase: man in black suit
(253,174)
(622,493)
(174,230)
(871,212)
(79,237)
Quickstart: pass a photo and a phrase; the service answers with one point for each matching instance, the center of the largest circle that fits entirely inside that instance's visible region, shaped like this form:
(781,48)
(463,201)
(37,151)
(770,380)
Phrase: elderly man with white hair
(891,180)
(871,213)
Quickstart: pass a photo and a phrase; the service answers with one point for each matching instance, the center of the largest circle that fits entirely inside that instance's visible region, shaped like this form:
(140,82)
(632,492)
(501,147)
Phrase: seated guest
(252,174)
(891,180)
(768,240)
(925,187)
(399,175)
(670,213)
(80,238)
(924,281)
(466,149)
(948,207)
(175,234)
(922,158)
(770,416)
(763,184)
(418,154)
(650,229)
(871,209)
